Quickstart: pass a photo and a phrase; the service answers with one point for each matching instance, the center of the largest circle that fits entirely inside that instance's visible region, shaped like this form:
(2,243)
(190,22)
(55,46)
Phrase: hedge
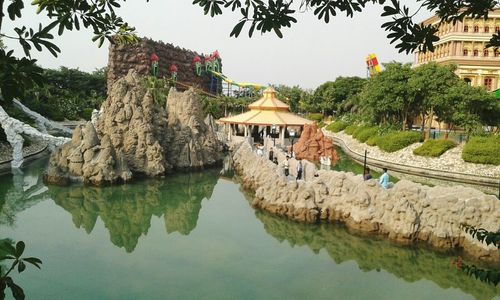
(398,140)
(350,129)
(318,117)
(337,126)
(362,134)
(482,150)
(434,148)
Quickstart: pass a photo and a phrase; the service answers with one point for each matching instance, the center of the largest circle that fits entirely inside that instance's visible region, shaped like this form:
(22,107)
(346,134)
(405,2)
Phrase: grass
(318,117)
(434,148)
(350,129)
(362,134)
(482,150)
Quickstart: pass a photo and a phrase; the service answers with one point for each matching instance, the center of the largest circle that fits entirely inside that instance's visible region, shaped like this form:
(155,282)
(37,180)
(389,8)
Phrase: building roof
(268,110)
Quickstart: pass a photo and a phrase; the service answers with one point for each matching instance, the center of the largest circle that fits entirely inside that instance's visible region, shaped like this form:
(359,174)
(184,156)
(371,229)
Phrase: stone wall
(407,213)
(122,58)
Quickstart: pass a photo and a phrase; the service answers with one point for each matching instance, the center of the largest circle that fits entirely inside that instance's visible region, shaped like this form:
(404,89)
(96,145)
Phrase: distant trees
(401,93)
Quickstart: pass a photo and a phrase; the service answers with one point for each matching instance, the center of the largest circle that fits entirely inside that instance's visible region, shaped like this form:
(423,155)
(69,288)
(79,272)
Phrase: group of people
(383,180)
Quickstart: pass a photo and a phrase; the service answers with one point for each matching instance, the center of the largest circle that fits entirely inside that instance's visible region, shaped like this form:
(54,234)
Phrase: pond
(195,236)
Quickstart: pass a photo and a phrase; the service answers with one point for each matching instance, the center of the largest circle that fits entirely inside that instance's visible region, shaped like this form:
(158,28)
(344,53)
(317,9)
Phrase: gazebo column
(246,130)
(282,136)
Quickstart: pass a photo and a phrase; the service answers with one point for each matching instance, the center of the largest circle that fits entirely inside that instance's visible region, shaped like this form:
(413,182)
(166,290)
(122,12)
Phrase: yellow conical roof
(269,102)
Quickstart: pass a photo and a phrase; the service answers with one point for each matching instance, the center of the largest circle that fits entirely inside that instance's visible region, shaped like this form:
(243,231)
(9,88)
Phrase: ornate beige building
(464,44)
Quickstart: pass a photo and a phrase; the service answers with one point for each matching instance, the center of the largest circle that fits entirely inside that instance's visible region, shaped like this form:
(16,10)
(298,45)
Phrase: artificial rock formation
(313,144)
(192,143)
(407,213)
(134,135)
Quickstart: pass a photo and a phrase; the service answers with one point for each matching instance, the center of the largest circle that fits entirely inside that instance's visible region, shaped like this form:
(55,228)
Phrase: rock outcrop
(407,213)
(134,135)
(313,144)
(87,158)
(192,143)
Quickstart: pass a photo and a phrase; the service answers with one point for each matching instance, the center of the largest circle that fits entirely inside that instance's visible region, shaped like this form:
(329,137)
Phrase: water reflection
(19,190)
(126,210)
(370,254)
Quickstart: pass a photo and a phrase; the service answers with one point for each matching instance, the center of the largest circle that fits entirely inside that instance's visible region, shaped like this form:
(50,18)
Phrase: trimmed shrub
(395,141)
(372,141)
(482,150)
(337,126)
(434,148)
(318,117)
(364,133)
(86,113)
(321,124)
(350,129)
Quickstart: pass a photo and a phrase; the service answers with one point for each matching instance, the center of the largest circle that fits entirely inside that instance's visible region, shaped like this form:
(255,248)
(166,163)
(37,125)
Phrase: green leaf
(19,249)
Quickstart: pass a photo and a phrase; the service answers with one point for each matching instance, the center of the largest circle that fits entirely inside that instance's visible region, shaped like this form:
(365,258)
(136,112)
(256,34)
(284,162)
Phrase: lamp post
(273,134)
(292,137)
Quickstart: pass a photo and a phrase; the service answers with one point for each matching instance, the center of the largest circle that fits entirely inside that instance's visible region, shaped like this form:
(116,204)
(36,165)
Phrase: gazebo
(264,114)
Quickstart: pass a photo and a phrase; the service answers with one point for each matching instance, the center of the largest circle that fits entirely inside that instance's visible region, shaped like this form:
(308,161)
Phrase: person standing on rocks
(271,154)
(366,174)
(299,170)
(286,166)
(384,179)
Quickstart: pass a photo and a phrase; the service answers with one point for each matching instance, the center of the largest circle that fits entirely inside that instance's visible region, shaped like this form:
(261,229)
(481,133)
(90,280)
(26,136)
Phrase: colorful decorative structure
(264,114)
(173,73)
(313,145)
(197,65)
(372,65)
(154,64)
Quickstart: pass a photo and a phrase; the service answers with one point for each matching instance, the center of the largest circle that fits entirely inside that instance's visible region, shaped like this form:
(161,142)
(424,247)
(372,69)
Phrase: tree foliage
(274,15)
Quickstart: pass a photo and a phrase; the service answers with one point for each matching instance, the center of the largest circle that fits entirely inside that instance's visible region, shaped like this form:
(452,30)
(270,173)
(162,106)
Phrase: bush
(87,113)
(350,129)
(321,124)
(318,117)
(337,126)
(434,148)
(482,150)
(362,134)
(372,141)
(395,141)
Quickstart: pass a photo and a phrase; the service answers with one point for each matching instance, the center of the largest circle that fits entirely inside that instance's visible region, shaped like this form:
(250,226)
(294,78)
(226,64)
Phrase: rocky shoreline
(408,213)
(6,150)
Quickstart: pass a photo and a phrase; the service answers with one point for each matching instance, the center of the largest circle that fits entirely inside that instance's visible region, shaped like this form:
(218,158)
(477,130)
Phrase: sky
(310,53)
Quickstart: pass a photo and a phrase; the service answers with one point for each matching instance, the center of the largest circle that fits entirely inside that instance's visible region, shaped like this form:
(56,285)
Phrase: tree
(20,74)
(387,97)
(334,94)
(429,84)
(290,95)
(469,108)
(273,15)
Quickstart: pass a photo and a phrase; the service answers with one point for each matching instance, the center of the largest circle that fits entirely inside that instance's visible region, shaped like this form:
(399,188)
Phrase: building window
(486,53)
(476,28)
(468,81)
(466,52)
(486,29)
(488,83)
(466,28)
(475,52)
(497,28)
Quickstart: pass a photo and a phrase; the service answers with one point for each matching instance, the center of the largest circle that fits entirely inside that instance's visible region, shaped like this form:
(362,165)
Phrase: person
(366,174)
(384,179)
(275,160)
(299,170)
(260,151)
(286,166)
(271,154)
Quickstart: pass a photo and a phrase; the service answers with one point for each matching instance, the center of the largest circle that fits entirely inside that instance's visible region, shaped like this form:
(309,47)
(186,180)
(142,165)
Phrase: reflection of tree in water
(19,190)
(372,254)
(126,210)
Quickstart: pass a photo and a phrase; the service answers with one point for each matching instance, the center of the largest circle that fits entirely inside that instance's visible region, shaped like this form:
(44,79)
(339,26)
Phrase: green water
(195,236)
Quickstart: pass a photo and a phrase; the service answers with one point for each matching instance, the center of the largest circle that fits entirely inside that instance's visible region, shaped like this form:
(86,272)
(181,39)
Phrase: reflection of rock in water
(370,254)
(126,210)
